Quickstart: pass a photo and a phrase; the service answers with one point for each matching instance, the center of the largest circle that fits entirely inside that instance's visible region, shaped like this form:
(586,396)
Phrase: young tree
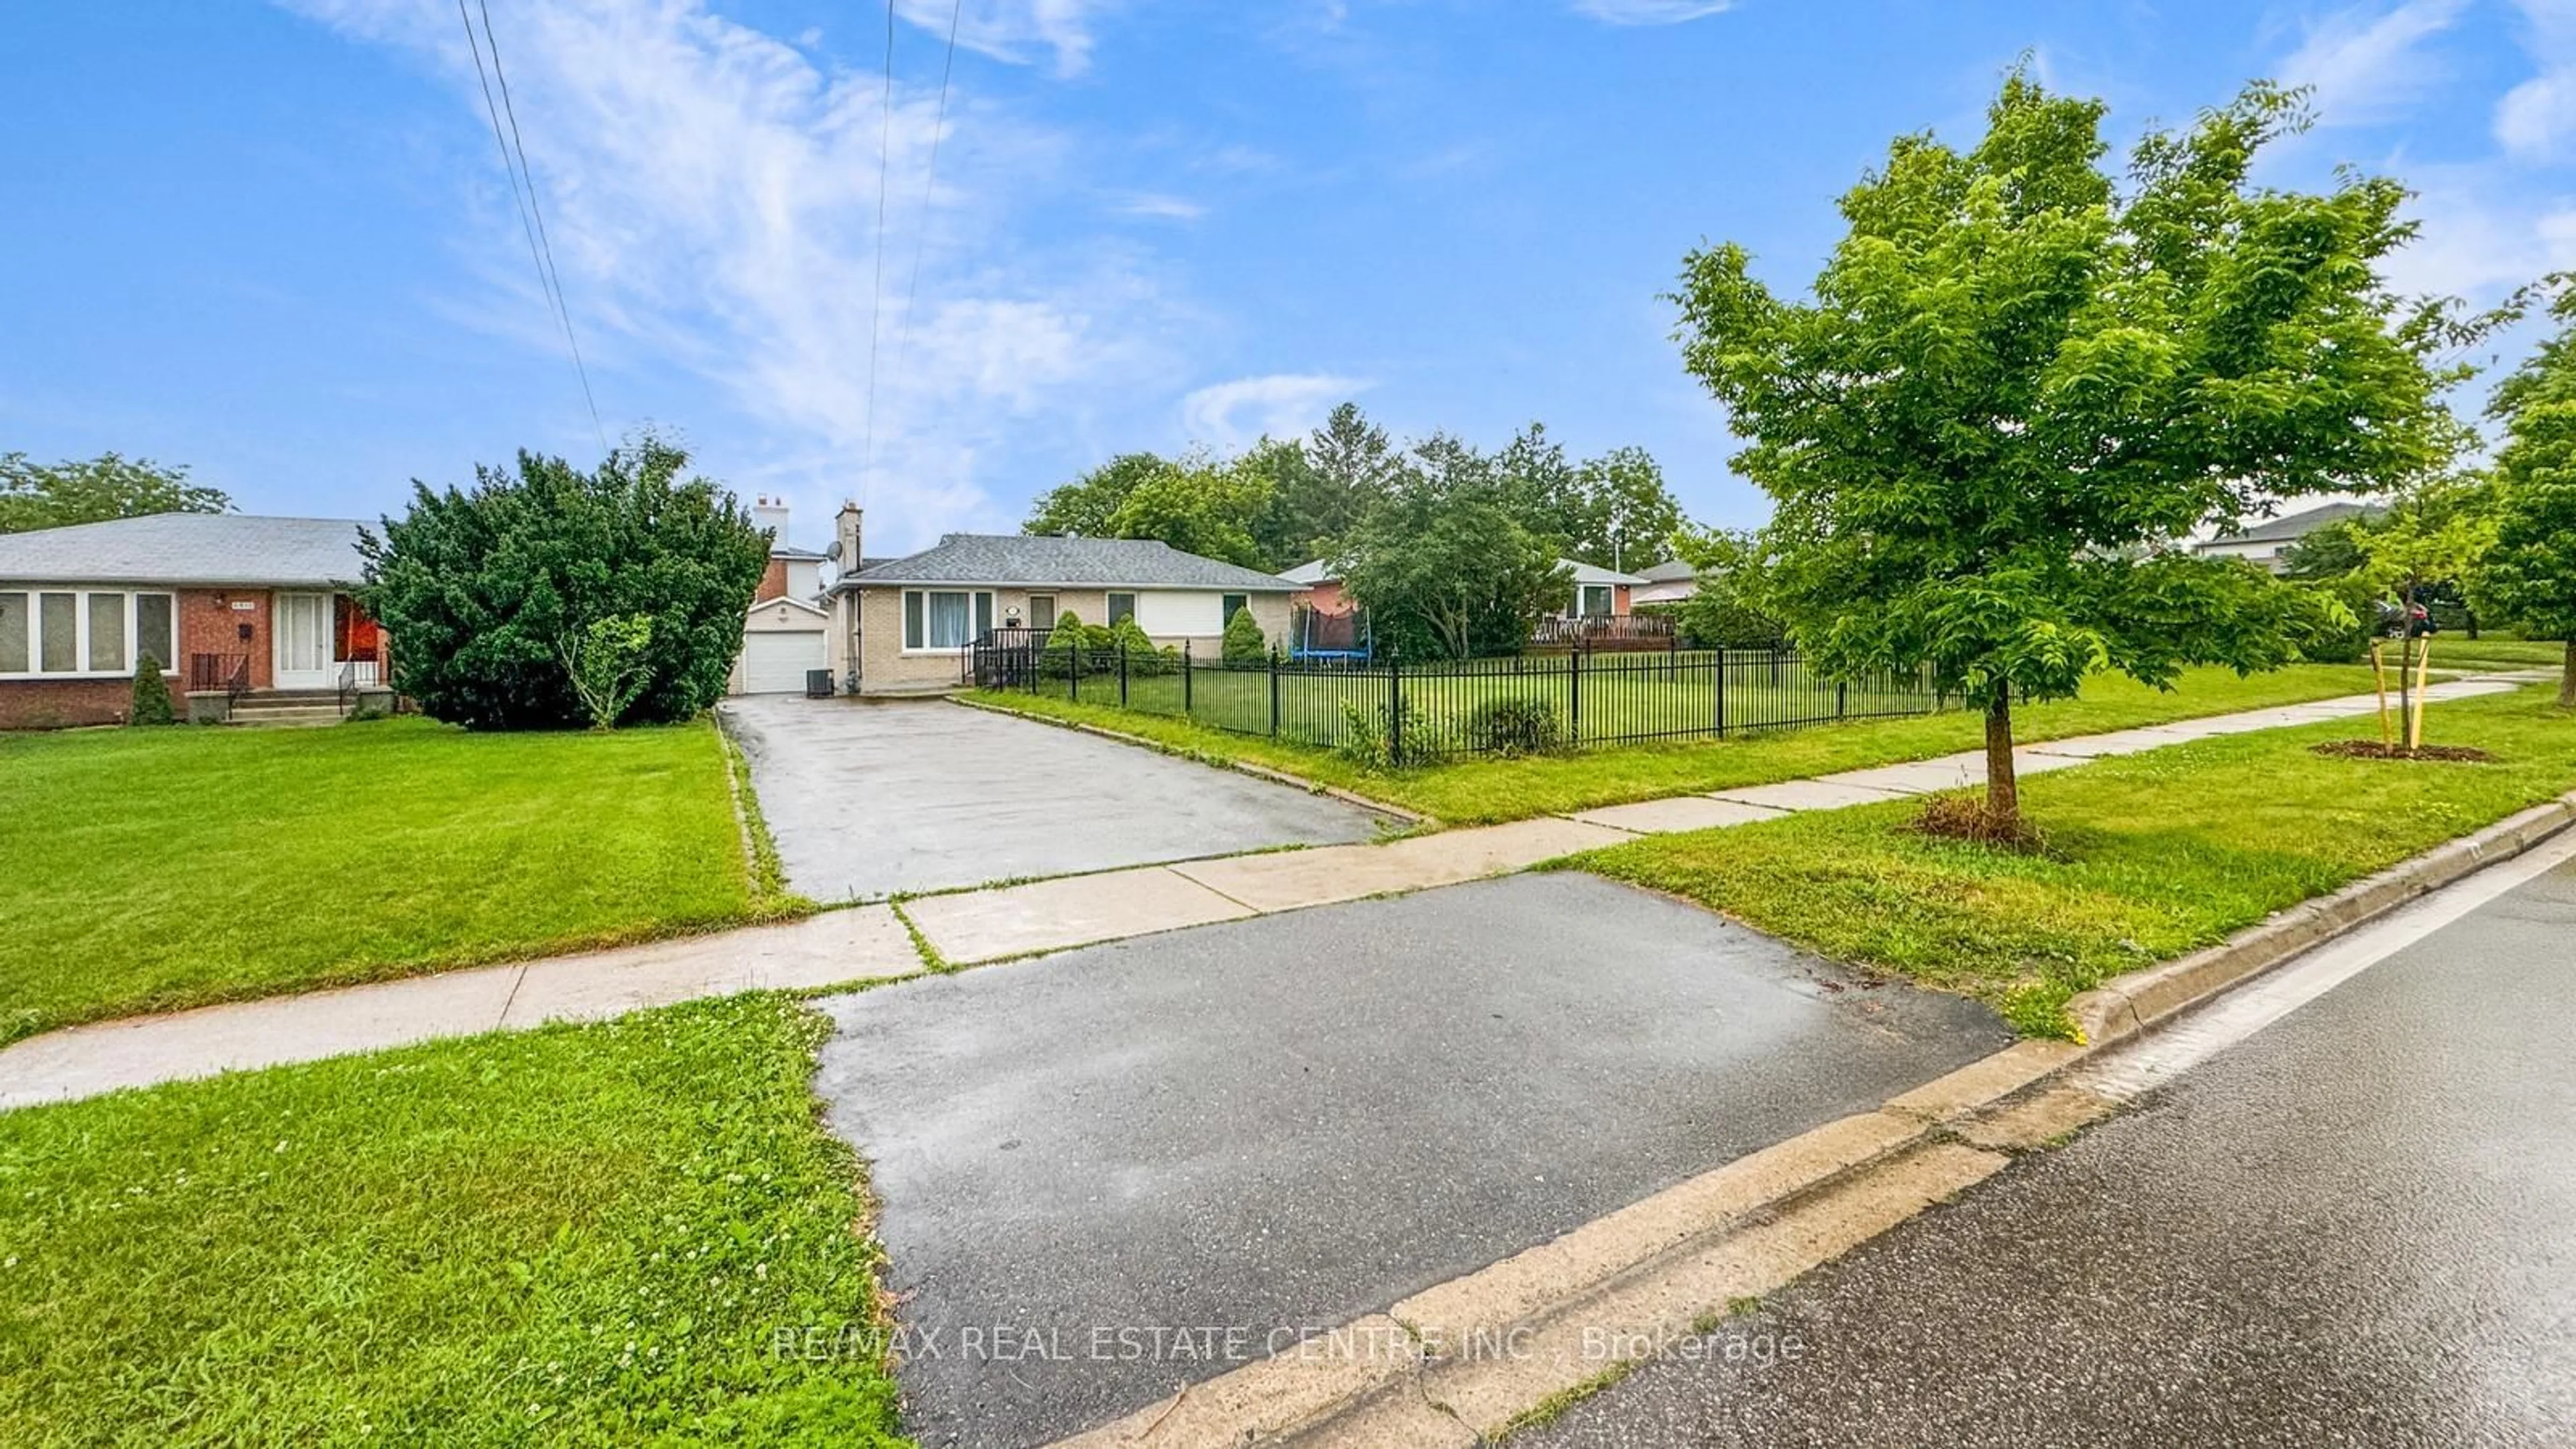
(2530,568)
(2437,531)
(93,490)
(604,661)
(2015,386)
(495,593)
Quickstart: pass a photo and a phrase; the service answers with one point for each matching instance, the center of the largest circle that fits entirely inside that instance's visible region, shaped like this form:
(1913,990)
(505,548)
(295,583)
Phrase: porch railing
(228,674)
(1604,631)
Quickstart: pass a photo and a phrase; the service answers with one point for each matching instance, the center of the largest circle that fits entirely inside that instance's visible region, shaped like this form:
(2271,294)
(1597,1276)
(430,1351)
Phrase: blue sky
(275,242)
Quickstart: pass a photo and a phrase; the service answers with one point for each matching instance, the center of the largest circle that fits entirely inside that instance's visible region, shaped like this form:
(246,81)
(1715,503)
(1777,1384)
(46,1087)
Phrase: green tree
(2530,571)
(1200,506)
(494,593)
(1243,642)
(1087,504)
(2014,386)
(1329,484)
(1449,572)
(1726,611)
(604,661)
(1541,487)
(92,490)
(1628,516)
(2437,531)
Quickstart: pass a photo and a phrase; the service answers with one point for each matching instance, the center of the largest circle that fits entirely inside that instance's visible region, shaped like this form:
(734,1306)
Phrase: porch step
(288,707)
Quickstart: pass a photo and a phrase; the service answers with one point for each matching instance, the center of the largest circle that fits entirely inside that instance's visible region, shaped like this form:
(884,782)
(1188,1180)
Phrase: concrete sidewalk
(82,1061)
(972,927)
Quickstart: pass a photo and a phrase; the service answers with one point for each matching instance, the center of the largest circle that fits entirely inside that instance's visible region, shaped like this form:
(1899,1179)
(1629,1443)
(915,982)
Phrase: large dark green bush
(1514,725)
(491,591)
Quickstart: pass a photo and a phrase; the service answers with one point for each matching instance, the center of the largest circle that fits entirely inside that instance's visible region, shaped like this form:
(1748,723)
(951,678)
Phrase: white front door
(303,632)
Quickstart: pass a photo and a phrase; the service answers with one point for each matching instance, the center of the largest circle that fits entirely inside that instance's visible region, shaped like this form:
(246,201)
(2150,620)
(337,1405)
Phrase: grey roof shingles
(1048,560)
(202,549)
(2296,525)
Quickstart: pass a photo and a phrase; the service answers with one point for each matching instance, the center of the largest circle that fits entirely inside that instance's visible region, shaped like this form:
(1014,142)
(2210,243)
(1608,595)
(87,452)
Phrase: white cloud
(1650,12)
(2483,234)
(712,194)
(1017,31)
(2536,117)
(1156,205)
(2366,64)
(1232,415)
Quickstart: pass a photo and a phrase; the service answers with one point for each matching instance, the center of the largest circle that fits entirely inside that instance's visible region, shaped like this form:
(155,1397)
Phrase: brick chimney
(845,538)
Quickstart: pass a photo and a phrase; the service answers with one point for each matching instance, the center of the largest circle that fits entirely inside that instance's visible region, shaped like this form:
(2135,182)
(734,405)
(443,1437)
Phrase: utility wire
(532,221)
(876,294)
(929,187)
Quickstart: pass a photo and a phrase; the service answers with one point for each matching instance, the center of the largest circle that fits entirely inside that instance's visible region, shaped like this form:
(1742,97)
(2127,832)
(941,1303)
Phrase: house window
(1595,601)
(156,631)
(1234,604)
(1121,606)
(13,633)
(58,634)
(945,618)
(1041,611)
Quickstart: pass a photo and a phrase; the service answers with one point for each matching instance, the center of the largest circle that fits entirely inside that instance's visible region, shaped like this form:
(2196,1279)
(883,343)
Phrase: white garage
(781,640)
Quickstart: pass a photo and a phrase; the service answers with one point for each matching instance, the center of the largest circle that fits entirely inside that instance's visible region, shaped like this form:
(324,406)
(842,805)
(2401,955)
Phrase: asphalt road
(1187,1142)
(2357,1226)
(867,799)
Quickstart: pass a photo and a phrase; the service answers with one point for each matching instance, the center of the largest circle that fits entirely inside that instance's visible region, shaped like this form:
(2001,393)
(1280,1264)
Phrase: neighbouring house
(1669,582)
(1595,593)
(784,632)
(248,616)
(1598,611)
(906,625)
(2266,542)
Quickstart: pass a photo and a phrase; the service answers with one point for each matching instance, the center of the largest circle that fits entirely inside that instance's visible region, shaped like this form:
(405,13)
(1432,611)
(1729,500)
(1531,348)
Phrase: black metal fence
(1395,713)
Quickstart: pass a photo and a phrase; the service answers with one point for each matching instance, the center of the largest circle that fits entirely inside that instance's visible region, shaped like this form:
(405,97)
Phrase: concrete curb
(2126,1005)
(1481,1352)
(1240,767)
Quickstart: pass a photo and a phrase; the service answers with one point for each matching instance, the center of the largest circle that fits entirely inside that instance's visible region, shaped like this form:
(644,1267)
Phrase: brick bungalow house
(252,612)
(905,625)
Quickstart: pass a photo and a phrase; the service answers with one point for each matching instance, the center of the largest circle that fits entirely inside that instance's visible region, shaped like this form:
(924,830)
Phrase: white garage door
(775,662)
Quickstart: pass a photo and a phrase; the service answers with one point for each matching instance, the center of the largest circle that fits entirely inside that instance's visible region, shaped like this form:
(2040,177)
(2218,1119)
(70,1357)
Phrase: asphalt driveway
(868,799)
(1114,1171)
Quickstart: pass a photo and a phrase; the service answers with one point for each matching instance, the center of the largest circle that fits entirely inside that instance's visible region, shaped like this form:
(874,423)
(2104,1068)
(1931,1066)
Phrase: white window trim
(903,617)
(1579,590)
(81,630)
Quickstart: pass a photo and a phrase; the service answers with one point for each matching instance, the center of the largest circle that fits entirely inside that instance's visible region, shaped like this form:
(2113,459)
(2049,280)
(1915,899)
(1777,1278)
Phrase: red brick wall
(209,624)
(773,582)
(45,704)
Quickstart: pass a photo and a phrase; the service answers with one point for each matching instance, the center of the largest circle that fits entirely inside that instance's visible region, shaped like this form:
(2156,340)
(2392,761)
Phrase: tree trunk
(2567,678)
(2003,787)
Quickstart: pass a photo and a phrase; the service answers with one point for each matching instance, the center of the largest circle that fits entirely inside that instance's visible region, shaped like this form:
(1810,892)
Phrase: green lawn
(142,870)
(1485,791)
(2458,651)
(590,1235)
(2148,857)
(1611,697)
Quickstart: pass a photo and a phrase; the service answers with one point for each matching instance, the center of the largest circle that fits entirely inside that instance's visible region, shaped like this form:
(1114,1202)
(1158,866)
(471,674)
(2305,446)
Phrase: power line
(540,246)
(876,293)
(929,188)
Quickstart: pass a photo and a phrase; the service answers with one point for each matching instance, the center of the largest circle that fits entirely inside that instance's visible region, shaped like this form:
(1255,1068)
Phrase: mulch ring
(2374,750)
